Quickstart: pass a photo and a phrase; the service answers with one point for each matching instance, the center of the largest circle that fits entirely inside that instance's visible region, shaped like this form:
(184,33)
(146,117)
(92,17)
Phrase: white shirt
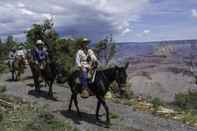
(81,58)
(20,53)
(12,55)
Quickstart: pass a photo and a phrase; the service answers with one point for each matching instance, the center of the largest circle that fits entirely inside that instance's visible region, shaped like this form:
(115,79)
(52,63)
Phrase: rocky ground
(125,117)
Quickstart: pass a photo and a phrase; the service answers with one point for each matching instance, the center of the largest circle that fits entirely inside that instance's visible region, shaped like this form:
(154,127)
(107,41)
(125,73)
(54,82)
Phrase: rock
(163,110)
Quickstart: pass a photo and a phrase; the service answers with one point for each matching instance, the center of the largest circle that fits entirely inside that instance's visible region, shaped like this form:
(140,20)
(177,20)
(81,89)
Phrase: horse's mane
(106,69)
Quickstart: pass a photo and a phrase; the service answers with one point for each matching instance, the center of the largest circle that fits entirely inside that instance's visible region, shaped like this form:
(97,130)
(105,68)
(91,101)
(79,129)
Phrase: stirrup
(84,93)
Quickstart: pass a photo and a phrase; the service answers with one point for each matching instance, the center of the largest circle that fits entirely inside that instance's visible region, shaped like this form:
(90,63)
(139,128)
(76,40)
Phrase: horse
(99,87)
(17,67)
(48,73)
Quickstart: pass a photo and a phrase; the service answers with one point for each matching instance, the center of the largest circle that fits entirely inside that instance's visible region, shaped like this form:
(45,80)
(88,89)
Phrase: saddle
(42,64)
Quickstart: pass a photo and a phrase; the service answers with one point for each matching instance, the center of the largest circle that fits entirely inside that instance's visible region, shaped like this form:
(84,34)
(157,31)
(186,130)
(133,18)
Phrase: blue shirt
(40,55)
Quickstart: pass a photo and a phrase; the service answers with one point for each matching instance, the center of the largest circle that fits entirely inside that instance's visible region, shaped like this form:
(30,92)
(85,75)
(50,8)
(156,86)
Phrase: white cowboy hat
(39,42)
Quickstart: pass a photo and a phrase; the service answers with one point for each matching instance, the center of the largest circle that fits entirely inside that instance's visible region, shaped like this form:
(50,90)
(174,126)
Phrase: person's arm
(77,59)
(10,55)
(36,57)
(92,55)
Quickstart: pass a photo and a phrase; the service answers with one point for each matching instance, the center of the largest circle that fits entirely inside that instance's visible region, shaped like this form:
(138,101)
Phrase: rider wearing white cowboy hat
(20,51)
(40,52)
(83,59)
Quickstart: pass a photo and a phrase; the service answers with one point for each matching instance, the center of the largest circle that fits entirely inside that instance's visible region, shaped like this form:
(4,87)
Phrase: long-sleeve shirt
(20,53)
(12,55)
(82,58)
(40,55)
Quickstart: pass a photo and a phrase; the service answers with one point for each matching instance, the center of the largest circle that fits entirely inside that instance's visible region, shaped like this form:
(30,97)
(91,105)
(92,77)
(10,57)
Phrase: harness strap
(94,75)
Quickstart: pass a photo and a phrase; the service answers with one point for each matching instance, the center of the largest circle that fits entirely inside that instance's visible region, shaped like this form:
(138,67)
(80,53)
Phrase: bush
(181,100)
(2,67)
(156,103)
(186,101)
(2,88)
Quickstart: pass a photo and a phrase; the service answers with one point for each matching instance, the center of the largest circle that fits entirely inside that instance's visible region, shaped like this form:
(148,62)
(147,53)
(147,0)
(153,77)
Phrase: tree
(44,32)
(106,50)
(65,53)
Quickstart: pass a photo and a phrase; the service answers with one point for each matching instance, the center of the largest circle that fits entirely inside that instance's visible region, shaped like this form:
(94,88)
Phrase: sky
(126,20)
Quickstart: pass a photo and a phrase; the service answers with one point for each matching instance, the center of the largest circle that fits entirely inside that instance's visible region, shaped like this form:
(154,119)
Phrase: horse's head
(121,76)
(29,56)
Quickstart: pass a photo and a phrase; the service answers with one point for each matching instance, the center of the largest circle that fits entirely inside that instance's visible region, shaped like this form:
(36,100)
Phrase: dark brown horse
(48,73)
(99,87)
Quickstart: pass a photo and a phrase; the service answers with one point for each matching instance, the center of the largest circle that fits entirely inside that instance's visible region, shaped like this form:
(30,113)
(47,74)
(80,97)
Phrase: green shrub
(2,67)
(186,101)
(181,100)
(156,103)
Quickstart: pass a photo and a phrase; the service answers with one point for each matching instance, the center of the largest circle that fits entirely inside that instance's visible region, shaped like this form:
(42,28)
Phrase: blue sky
(127,20)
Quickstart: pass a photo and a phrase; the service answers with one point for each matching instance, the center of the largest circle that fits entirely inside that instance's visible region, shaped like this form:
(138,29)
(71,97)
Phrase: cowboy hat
(39,42)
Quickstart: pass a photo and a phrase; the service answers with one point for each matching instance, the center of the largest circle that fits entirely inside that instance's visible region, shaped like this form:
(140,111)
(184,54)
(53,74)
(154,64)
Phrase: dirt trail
(128,120)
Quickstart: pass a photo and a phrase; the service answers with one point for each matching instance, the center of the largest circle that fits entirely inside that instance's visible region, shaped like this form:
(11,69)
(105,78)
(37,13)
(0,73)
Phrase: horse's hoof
(97,118)
(79,114)
(108,124)
(50,95)
(37,90)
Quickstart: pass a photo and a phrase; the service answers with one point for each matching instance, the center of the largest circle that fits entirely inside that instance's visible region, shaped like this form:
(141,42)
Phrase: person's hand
(36,62)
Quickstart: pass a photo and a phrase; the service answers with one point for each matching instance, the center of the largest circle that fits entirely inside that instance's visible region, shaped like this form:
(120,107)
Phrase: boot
(84,93)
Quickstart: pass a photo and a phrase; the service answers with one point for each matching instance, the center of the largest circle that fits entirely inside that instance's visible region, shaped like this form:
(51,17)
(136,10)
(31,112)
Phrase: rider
(11,57)
(85,58)
(20,53)
(40,53)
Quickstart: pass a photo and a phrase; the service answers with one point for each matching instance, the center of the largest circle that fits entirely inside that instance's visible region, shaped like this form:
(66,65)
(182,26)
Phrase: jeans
(84,78)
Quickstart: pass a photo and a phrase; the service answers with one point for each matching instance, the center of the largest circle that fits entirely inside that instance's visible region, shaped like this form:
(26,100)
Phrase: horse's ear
(126,65)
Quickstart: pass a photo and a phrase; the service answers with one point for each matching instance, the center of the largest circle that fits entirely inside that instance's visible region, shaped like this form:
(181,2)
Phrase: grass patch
(114,115)
(3,67)
(186,101)
(2,88)
(28,117)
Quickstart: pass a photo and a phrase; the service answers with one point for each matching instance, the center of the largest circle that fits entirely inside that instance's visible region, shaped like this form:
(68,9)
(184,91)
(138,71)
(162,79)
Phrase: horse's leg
(19,75)
(71,101)
(97,109)
(16,75)
(37,84)
(76,104)
(12,75)
(102,100)
(51,88)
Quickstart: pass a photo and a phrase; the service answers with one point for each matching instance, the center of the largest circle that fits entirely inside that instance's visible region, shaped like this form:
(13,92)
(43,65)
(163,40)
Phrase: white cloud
(27,12)
(87,17)
(20,5)
(127,30)
(146,32)
(194,13)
